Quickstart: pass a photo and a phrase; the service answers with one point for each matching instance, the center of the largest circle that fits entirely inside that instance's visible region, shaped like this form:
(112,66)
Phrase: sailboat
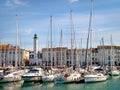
(114,71)
(93,76)
(11,74)
(49,75)
(33,75)
(69,75)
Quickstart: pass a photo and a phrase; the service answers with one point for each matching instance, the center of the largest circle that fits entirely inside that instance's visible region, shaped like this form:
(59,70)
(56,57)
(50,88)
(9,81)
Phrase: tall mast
(60,48)
(51,53)
(89,31)
(80,62)
(111,56)
(72,31)
(103,52)
(47,50)
(100,56)
(16,51)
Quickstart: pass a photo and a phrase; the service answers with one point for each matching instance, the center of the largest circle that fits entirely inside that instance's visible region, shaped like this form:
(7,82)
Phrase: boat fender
(66,75)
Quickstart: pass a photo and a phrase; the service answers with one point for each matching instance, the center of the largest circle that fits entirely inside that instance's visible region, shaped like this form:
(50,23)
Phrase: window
(108,57)
(63,54)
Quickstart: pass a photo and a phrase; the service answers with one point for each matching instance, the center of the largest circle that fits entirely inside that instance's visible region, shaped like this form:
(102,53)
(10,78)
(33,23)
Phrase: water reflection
(111,84)
(11,86)
(115,77)
(51,84)
(29,84)
(96,86)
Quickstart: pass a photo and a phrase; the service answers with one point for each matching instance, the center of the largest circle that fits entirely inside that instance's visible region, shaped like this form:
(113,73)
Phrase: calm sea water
(111,84)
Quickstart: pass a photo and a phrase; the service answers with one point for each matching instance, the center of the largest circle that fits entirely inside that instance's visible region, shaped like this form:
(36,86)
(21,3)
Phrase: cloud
(29,31)
(15,3)
(72,1)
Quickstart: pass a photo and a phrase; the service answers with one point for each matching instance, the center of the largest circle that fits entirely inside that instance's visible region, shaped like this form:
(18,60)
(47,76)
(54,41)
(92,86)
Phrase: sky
(34,18)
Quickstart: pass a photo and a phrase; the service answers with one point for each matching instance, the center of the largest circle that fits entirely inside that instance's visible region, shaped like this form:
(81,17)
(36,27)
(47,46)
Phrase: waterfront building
(58,58)
(8,57)
(72,57)
(106,56)
(32,61)
(63,56)
(97,56)
(92,56)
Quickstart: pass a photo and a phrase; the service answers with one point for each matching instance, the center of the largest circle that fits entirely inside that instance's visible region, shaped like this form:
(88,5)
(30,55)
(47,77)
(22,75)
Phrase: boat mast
(111,56)
(72,29)
(61,48)
(16,50)
(51,57)
(89,31)
(47,50)
(103,52)
(100,56)
(80,59)
(21,60)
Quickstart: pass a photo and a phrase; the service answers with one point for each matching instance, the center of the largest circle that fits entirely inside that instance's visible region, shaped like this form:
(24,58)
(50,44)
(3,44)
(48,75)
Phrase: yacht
(10,74)
(114,72)
(49,76)
(33,75)
(67,78)
(95,77)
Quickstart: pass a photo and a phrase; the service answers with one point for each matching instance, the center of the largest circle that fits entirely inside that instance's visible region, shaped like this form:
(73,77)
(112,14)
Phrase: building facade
(32,61)
(8,54)
(63,56)
(55,55)
(109,54)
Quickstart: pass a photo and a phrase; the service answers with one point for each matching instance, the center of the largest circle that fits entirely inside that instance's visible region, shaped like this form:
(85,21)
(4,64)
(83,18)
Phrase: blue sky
(34,17)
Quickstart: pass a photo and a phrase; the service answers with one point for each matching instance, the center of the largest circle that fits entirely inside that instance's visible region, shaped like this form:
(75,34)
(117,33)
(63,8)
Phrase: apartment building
(10,54)
(64,56)
(109,54)
(37,61)
(56,55)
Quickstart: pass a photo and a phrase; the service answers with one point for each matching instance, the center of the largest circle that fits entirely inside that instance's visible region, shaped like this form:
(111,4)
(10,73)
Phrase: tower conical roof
(35,36)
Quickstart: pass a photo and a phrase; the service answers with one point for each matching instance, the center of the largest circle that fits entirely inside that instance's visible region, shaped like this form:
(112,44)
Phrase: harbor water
(113,83)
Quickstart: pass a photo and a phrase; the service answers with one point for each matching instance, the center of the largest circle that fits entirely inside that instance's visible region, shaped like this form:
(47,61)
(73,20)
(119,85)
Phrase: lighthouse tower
(35,39)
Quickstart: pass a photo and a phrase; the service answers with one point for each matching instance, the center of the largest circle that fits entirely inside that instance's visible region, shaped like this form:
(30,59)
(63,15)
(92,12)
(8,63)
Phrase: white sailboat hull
(33,75)
(70,79)
(31,78)
(12,77)
(95,78)
(49,78)
(115,73)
